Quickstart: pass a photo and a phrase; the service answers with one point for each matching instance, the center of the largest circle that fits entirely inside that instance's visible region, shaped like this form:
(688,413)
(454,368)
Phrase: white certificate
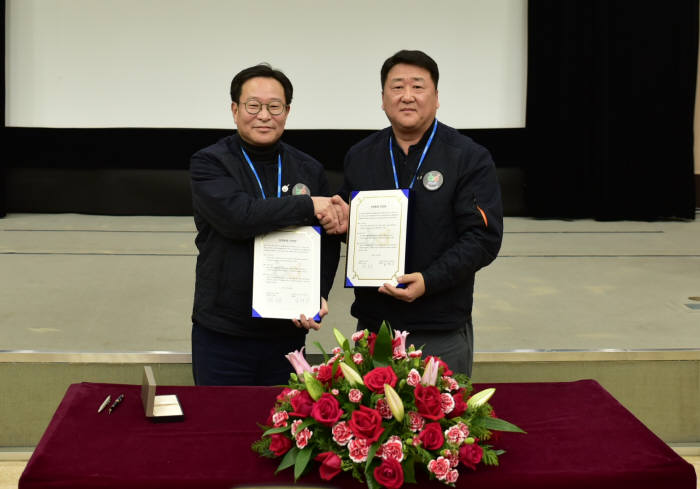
(376,251)
(287,273)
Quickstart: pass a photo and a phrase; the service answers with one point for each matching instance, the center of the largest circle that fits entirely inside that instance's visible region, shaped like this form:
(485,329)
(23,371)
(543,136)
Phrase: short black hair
(264,70)
(415,58)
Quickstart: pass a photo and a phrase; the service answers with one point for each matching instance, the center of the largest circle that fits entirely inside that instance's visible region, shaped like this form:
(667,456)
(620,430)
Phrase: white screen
(169,63)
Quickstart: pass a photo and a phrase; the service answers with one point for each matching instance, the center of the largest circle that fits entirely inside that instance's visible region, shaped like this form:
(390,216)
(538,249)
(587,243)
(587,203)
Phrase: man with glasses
(455,218)
(247,184)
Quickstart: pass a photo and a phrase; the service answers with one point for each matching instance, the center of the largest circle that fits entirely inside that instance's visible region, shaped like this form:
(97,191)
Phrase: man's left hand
(309,323)
(415,287)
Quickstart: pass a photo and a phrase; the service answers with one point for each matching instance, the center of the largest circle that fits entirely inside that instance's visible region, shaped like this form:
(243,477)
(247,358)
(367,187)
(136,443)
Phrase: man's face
(409,98)
(263,128)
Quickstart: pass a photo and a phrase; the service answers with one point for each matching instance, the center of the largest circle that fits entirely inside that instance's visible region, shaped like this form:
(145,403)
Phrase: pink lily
(296,358)
(400,349)
(431,372)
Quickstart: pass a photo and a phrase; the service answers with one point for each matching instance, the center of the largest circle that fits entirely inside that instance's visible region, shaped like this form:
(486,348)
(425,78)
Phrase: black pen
(116,403)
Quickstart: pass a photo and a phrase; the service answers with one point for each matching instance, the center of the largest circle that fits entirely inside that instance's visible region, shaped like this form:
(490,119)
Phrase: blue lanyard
(420,162)
(279,173)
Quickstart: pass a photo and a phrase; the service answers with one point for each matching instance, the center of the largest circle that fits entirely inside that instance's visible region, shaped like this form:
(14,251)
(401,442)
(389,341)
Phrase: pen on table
(104,404)
(116,403)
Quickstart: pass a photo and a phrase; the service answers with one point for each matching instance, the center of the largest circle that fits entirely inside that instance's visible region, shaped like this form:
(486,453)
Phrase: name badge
(433,180)
(300,189)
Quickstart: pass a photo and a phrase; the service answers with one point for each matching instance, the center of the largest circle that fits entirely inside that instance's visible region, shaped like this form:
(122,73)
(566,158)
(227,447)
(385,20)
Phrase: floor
(84,283)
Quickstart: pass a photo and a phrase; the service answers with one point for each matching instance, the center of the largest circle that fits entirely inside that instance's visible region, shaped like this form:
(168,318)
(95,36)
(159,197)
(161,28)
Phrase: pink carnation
(280,419)
(303,437)
(357,336)
(357,358)
(450,383)
(440,467)
(415,421)
(452,456)
(358,450)
(384,409)
(452,476)
(295,426)
(448,403)
(413,378)
(454,435)
(393,448)
(355,395)
(415,353)
(337,350)
(342,433)
(464,428)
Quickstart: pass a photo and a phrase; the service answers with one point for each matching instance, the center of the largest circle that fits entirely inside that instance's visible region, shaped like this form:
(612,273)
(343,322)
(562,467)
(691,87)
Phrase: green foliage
(288,460)
(262,448)
(489,457)
(302,461)
(499,424)
(383,346)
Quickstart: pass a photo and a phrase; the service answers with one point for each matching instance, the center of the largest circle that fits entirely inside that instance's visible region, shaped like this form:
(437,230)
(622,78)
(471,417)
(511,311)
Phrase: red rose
(429,402)
(326,410)
(330,465)
(302,404)
(460,405)
(366,423)
(470,455)
(279,444)
(431,436)
(389,474)
(325,372)
(376,378)
(371,341)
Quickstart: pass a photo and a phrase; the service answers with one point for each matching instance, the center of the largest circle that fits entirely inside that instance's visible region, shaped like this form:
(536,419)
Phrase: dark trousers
(221,359)
(454,347)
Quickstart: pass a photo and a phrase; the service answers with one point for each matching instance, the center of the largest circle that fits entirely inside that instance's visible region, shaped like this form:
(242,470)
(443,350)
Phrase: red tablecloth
(579,436)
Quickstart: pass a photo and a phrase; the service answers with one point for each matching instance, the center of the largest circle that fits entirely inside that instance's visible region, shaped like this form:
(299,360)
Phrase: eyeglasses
(254,107)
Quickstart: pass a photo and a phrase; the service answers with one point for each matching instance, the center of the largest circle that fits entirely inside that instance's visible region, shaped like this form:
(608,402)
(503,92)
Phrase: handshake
(332,213)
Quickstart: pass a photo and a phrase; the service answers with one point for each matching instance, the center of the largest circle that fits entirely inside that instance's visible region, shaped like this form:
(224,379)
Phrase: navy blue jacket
(452,232)
(229,212)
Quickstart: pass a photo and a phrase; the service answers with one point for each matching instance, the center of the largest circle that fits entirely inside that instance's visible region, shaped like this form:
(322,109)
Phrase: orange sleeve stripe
(483,216)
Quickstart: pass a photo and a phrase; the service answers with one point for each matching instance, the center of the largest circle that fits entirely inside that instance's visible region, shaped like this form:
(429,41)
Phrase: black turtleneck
(264,159)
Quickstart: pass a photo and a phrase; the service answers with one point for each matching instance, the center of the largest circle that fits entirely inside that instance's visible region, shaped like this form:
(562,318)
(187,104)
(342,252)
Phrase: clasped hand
(332,213)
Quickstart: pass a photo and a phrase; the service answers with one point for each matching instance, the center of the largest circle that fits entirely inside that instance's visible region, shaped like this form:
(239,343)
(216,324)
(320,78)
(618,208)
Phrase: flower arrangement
(377,411)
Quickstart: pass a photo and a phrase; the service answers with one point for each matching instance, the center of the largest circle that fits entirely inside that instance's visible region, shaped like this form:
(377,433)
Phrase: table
(579,436)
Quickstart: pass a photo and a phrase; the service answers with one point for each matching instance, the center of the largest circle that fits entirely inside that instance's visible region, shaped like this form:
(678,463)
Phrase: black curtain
(610,104)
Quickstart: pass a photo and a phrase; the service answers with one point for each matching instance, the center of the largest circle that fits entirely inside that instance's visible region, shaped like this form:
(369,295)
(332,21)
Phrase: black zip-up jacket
(229,212)
(452,232)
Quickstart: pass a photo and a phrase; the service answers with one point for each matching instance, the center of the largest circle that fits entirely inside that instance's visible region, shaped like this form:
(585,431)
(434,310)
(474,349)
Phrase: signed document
(376,251)
(287,273)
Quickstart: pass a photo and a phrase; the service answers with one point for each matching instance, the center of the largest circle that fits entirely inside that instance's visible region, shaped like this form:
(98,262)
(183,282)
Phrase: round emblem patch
(300,189)
(433,180)
(285,187)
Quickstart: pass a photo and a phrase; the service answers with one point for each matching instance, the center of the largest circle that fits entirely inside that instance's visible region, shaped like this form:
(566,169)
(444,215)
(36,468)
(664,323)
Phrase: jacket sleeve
(478,221)
(222,200)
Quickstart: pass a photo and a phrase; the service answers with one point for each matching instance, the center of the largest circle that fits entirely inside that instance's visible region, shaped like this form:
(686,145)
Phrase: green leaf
(288,460)
(382,347)
(302,461)
(499,424)
(370,454)
(325,355)
(369,475)
(409,471)
(280,429)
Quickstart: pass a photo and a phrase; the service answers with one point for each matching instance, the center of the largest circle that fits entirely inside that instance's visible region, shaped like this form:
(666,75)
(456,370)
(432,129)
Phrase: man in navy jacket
(245,185)
(455,218)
